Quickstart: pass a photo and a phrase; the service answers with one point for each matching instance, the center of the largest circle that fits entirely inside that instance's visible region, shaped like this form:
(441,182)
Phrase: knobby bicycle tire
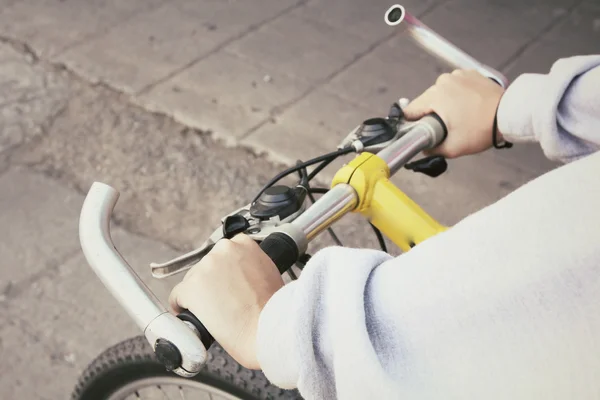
(133,360)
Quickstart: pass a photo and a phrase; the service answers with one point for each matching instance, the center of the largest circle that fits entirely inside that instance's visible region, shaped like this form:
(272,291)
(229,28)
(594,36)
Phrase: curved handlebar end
(114,272)
(126,286)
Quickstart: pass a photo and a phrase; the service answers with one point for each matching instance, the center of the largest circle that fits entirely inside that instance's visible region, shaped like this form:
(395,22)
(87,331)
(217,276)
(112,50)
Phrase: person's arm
(560,110)
(502,306)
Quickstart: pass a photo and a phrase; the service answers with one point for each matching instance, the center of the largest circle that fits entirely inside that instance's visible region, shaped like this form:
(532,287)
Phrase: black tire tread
(220,366)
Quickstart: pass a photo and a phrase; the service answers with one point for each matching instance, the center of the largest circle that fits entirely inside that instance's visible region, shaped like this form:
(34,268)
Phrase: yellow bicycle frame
(387,207)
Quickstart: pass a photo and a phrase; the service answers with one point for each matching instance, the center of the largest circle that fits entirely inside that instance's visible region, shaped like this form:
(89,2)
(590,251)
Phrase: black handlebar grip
(282,249)
(205,336)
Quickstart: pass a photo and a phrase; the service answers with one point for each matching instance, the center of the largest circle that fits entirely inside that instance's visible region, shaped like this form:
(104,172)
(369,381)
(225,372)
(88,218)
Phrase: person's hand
(466,101)
(227,291)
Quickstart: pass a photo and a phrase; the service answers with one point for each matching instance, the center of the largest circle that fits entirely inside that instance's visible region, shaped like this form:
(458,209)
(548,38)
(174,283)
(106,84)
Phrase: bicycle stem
(342,198)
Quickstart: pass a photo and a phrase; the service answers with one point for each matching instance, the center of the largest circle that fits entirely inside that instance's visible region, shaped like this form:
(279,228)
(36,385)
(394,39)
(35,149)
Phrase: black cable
(327,162)
(318,190)
(305,164)
(303,173)
(319,168)
(328,158)
(380,238)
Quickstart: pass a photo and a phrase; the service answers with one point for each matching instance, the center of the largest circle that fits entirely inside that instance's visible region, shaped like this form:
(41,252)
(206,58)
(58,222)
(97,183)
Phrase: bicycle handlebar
(159,326)
(181,343)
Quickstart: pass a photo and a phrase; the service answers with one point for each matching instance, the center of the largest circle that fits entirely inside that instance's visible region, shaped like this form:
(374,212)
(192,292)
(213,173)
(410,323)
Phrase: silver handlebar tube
(126,286)
(333,205)
(448,52)
(426,134)
(342,198)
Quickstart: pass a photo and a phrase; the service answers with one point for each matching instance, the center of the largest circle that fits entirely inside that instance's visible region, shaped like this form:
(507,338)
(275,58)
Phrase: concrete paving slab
(69,318)
(39,227)
(154,44)
(359,18)
(29,97)
(304,48)
(403,70)
(175,182)
(577,34)
(494,31)
(33,368)
(224,94)
(6,3)
(49,26)
(313,126)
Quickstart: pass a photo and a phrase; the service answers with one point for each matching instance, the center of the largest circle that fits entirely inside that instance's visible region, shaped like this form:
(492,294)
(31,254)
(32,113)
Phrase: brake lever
(186,261)
(257,230)
(181,263)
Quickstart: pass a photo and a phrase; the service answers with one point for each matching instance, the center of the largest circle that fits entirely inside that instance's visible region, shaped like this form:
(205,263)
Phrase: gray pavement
(187,107)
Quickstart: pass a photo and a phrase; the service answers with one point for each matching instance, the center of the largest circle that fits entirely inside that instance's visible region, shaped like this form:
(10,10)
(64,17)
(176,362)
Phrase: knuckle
(443,78)
(222,246)
(243,239)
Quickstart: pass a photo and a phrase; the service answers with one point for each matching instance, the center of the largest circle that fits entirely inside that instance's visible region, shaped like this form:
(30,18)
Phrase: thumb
(175,299)
(420,106)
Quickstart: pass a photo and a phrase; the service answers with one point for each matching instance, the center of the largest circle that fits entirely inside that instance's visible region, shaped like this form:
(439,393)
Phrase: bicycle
(177,354)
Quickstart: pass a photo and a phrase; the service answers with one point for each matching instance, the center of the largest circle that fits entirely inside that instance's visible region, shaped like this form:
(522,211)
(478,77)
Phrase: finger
(175,299)
(443,79)
(243,240)
(437,151)
(420,106)
(432,152)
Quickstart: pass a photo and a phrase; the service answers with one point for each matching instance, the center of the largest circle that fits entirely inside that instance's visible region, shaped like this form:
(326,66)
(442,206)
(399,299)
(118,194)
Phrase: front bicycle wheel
(129,370)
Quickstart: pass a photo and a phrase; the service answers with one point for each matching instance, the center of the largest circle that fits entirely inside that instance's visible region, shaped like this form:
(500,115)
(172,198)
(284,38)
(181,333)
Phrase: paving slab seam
(286,106)
(106,29)
(506,65)
(116,220)
(219,47)
(21,47)
(14,288)
(276,111)
(225,140)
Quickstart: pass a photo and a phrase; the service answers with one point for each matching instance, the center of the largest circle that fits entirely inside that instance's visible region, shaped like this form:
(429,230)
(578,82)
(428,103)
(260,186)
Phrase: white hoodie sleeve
(504,305)
(560,110)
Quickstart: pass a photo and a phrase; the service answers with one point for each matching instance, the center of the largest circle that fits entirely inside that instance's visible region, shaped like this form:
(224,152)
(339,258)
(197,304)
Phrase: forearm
(560,110)
(312,333)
